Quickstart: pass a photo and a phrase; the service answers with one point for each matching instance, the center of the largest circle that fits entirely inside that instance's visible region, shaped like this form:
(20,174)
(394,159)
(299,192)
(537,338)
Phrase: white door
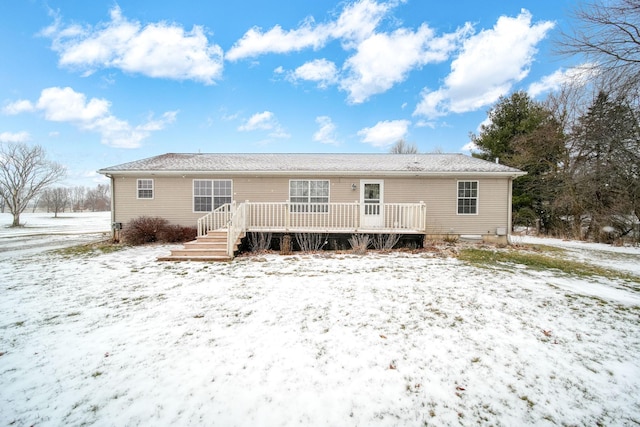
(371,200)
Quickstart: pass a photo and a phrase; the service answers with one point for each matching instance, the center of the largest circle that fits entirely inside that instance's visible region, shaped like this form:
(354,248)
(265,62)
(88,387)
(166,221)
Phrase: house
(431,195)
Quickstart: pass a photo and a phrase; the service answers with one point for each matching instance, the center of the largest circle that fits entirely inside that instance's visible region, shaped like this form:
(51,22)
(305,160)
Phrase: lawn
(100,337)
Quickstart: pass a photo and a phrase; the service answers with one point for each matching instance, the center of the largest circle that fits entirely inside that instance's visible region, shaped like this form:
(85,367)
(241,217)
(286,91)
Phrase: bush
(360,243)
(451,239)
(146,229)
(177,234)
(260,242)
(310,242)
(385,242)
(143,230)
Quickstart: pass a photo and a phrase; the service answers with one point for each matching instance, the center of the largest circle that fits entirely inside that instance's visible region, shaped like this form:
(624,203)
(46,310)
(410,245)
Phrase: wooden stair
(211,247)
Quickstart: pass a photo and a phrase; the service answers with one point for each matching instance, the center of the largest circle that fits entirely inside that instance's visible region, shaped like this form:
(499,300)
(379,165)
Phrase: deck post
(287,216)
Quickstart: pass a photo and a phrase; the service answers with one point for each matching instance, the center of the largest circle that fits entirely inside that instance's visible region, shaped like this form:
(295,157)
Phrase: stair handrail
(216,219)
(236,226)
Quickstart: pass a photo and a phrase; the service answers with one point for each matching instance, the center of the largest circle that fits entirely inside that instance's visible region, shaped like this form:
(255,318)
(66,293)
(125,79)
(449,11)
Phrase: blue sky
(98,83)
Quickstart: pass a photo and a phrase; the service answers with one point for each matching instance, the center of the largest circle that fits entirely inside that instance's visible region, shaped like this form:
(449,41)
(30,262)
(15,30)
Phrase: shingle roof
(321,163)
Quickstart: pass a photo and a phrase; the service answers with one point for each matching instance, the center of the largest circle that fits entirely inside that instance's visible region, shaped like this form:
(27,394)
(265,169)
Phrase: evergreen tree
(606,168)
(524,134)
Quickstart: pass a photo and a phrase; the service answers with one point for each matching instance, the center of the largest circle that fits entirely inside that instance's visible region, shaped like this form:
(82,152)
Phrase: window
(371,198)
(309,196)
(467,197)
(145,189)
(209,195)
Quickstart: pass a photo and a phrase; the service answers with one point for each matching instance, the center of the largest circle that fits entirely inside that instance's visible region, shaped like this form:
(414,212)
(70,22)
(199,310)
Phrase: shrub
(385,242)
(451,239)
(146,229)
(310,242)
(260,242)
(143,230)
(173,233)
(359,243)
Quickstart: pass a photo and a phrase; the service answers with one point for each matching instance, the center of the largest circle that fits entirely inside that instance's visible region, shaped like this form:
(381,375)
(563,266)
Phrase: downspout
(113,206)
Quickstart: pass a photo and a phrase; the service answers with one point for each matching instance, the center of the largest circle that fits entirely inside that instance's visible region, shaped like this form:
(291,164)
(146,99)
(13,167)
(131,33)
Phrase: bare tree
(98,199)
(24,173)
(56,199)
(607,33)
(402,147)
(78,195)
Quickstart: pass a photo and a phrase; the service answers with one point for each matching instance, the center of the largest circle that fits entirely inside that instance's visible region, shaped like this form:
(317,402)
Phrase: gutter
(289,173)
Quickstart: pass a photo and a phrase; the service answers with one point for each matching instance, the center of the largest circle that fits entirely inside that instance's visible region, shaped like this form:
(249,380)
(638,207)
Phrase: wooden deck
(220,232)
(319,217)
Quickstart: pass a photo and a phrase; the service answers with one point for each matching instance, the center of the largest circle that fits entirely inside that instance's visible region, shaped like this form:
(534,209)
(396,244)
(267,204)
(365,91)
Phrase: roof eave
(349,173)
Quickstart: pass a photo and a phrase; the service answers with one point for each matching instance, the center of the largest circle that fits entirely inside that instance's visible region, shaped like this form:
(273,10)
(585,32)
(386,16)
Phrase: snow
(44,231)
(326,339)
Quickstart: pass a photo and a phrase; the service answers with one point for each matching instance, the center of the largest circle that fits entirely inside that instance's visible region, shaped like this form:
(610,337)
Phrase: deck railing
(284,216)
(313,217)
(405,216)
(334,217)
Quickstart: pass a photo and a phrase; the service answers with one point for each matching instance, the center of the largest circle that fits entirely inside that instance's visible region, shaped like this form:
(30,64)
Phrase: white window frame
(212,194)
(140,188)
(309,206)
(465,197)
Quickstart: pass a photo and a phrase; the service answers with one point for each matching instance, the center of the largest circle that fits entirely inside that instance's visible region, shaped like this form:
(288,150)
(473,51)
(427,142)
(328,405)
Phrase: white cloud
(15,137)
(322,71)
(264,121)
(158,124)
(259,121)
(576,76)
(385,133)
(356,21)
(156,50)
(326,134)
(425,124)
(382,60)
(276,40)
(17,107)
(487,67)
(66,105)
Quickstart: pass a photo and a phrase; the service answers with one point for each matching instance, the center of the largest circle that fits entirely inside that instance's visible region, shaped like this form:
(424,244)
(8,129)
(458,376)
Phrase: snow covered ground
(43,231)
(394,339)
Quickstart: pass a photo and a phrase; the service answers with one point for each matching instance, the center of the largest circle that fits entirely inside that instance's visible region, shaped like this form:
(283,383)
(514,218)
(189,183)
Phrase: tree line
(580,146)
(75,199)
